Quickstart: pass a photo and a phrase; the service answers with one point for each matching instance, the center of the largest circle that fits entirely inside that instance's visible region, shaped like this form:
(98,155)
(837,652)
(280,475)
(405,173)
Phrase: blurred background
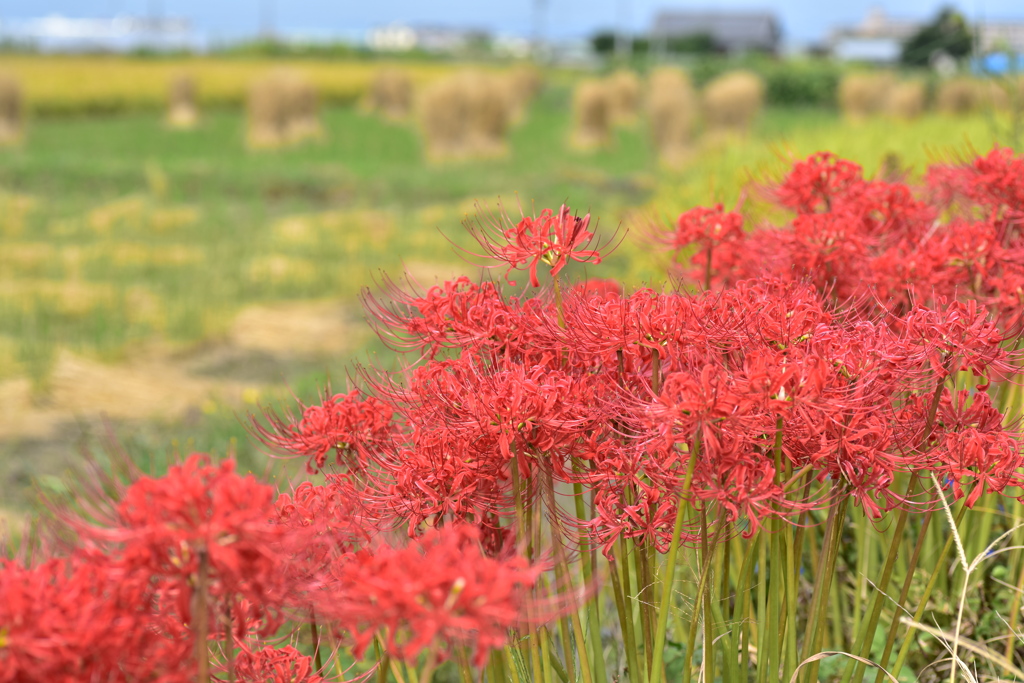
(193,194)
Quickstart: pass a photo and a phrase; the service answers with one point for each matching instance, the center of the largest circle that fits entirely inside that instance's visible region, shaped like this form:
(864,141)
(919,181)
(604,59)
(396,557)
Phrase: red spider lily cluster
(852,354)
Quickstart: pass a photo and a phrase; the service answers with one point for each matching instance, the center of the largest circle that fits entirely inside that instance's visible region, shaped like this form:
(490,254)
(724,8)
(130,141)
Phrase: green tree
(948,33)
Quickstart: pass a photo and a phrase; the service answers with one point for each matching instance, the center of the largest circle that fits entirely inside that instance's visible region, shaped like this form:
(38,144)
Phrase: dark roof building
(730,31)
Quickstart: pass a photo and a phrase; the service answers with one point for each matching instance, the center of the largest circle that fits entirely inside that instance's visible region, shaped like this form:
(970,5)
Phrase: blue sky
(803,20)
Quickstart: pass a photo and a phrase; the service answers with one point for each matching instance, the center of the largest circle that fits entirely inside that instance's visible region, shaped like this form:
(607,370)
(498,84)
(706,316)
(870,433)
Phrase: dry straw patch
(733,100)
(624,96)
(465,115)
(12,110)
(523,83)
(317,328)
(390,93)
(282,109)
(862,95)
(592,115)
(182,108)
(959,96)
(672,109)
(906,100)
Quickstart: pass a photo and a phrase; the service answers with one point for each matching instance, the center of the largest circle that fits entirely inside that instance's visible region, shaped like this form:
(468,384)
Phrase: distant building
(730,31)
(1001,36)
(878,38)
(402,38)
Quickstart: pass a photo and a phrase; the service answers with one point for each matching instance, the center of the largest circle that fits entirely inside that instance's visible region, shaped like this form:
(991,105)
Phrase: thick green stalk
(823,584)
(771,650)
(643,584)
(742,604)
(691,640)
(562,568)
(657,659)
(588,558)
(862,646)
(314,632)
(625,622)
(709,614)
(908,637)
(762,608)
(512,666)
(545,649)
(904,592)
(792,573)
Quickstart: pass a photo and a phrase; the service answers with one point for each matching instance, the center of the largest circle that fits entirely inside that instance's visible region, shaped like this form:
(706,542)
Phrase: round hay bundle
(906,100)
(523,83)
(391,93)
(863,95)
(733,100)
(591,115)
(182,110)
(489,112)
(267,112)
(12,110)
(303,122)
(624,95)
(672,109)
(959,96)
(443,113)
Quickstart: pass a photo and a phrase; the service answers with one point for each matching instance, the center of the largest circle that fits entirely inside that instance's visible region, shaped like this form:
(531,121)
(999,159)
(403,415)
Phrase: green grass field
(161,256)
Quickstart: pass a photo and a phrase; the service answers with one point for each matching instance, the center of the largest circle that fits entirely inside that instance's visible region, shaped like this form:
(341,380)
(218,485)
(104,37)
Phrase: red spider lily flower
(550,238)
(973,446)
(349,424)
(162,525)
(600,288)
(272,665)
(82,619)
(999,180)
(815,182)
(439,592)
(455,314)
(324,522)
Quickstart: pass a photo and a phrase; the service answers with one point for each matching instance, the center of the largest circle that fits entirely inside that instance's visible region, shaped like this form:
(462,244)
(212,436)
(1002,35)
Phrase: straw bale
(12,110)
(672,108)
(624,95)
(182,110)
(906,100)
(959,96)
(591,115)
(862,95)
(390,93)
(733,100)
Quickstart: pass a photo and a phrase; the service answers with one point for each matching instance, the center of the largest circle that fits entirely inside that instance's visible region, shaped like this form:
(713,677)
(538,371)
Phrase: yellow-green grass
(76,84)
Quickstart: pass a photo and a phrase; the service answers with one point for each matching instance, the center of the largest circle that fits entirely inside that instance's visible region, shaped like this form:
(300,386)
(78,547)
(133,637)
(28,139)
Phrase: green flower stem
(862,646)
(908,637)
(546,656)
(563,574)
(625,618)
(657,659)
(904,592)
(823,584)
(741,606)
(588,560)
(691,640)
(762,606)
(644,582)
